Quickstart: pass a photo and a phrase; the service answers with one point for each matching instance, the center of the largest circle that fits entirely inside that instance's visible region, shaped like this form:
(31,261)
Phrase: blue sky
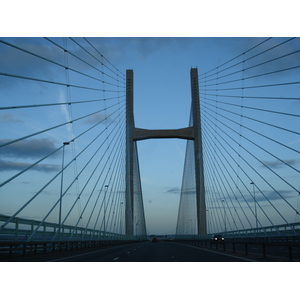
(161,101)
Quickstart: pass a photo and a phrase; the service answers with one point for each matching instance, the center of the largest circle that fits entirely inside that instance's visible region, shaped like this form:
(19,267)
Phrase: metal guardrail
(8,249)
(265,244)
(282,229)
(290,229)
(21,229)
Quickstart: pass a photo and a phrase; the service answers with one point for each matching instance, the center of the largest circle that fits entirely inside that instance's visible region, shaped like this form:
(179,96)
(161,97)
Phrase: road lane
(150,252)
(146,251)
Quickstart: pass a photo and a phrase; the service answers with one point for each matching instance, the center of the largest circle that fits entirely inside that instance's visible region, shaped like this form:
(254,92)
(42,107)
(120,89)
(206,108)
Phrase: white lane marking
(116,258)
(128,252)
(82,254)
(68,257)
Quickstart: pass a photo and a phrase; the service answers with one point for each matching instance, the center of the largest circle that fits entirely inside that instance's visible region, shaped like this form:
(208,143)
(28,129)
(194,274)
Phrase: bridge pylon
(133,134)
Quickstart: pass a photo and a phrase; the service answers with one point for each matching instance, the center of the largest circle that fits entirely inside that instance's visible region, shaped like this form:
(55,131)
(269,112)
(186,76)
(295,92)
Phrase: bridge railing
(17,249)
(19,229)
(284,248)
(291,229)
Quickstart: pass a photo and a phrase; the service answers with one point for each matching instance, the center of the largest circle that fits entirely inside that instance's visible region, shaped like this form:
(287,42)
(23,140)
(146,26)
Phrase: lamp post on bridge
(104,202)
(255,211)
(225,229)
(61,188)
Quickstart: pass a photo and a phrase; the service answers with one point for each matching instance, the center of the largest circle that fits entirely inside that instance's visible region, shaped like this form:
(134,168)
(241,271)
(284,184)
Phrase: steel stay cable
(32,198)
(224,186)
(37,162)
(54,127)
(215,191)
(256,171)
(272,125)
(117,202)
(251,67)
(257,86)
(50,181)
(55,63)
(251,179)
(230,165)
(265,123)
(210,204)
(96,221)
(253,76)
(235,57)
(214,212)
(117,209)
(254,97)
(58,103)
(100,209)
(220,191)
(273,47)
(115,111)
(117,164)
(254,108)
(78,57)
(298,171)
(29,167)
(94,58)
(245,186)
(86,185)
(55,82)
(210,209)
(82,190)
(105,58)
(103,184)
(216,207)
(181,219)
(97,60)
(121,187)
(39,225)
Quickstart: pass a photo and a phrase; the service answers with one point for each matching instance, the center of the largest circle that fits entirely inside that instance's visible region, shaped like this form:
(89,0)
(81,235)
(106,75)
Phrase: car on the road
(218,237)
(154,240)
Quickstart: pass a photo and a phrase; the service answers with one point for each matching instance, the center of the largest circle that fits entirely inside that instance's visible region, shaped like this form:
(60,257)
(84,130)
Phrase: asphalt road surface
(140,252)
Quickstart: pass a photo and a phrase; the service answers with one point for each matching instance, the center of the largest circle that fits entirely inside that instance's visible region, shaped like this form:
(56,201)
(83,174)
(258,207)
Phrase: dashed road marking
(116,258)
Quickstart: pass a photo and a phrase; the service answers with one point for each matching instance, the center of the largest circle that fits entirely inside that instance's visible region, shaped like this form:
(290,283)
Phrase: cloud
(278,164)
(32,148)
(118,50)
(277,64)
(14,61)
(174,190)
(96,118)
(19,166)
(295,141)
(8,118)
(272,195)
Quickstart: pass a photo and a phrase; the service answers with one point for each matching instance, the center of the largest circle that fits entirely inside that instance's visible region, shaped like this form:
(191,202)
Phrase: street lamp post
(104,200)
(255,211)
(223,201)
(61,188)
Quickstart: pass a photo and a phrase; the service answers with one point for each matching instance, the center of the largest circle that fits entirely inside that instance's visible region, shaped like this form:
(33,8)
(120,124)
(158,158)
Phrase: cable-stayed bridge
(69,145)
